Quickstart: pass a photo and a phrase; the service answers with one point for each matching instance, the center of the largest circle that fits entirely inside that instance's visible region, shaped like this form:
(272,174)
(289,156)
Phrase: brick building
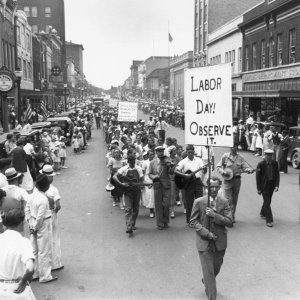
(210,15)
(271,61)
(74,51)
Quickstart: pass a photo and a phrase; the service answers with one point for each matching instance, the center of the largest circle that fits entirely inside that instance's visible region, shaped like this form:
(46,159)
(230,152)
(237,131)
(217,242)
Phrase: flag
(170,38)
(44,109)
(28,113)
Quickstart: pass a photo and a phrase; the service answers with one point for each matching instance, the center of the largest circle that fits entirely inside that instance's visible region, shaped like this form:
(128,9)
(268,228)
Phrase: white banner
(113,102)
(208,106)
(127,111)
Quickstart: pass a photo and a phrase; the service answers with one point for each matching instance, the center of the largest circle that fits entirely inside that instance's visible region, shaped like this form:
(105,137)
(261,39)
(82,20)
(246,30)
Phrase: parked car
(41,125)
(66,124)
(294,151)
(279,126)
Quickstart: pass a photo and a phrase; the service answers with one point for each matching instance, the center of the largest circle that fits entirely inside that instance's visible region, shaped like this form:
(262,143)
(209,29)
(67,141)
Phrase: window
(34,11)
(229,56)
(254,55)
(27,11)
(271,53)
(233,60)
(25,69)
(279,50)
(35,28)
(246,58)
(3,53)
(28,43)
(263,54)
(292,46)
(47,12)
(18,35)
(23,35)
(19,63)
(226,57)
(240,60)
(6,55)
(13,56)
(29,71)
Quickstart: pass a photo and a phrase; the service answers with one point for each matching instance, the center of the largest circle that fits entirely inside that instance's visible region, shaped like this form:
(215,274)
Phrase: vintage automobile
(294,151)
(41,125)
(66,124)
(279,126)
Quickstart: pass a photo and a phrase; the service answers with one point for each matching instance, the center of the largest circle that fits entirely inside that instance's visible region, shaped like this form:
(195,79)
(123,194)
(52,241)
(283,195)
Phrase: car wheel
(296,160)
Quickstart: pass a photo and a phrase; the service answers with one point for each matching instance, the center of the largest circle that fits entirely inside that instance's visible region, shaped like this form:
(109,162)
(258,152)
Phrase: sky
(116,32)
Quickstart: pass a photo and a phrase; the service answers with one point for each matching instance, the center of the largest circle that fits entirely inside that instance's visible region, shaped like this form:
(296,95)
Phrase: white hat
(11,174)
(48,170)
(269,151)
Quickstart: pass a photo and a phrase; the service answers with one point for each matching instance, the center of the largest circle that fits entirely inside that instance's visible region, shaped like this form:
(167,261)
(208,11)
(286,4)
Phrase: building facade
(178,64)
(75,52)
(271,61)
(157,84)
(134,75)
(209,15)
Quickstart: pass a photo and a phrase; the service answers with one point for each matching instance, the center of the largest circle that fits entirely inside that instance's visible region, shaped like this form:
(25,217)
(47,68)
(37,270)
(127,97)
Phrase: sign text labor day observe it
(208,106)
(127,112)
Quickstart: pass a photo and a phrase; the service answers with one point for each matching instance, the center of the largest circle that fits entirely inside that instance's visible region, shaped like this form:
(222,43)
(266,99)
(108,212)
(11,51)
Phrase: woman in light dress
(147,191)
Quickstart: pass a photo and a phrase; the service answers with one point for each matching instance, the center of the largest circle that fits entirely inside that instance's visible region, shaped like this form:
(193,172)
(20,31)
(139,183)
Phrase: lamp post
(19,73)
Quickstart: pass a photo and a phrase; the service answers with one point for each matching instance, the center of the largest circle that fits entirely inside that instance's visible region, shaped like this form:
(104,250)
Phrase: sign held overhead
(208,106)
(127,111)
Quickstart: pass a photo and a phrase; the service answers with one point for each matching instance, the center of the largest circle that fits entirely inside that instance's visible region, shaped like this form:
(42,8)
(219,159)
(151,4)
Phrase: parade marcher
(210,223)
(159,171)
(16,259)
(284,149)
(97,117)
(276,138)
(54,204)
(161,128)
(132,194)
(234,164)
(267,139)
(38,216)
(190,168)
(267,181)
(147,191)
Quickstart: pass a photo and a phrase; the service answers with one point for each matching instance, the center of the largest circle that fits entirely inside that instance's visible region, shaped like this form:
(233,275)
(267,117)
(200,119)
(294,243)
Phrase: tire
(296,160)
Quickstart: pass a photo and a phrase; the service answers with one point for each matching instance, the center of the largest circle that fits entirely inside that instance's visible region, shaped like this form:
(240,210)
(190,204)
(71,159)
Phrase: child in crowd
(62,152)
(75,143)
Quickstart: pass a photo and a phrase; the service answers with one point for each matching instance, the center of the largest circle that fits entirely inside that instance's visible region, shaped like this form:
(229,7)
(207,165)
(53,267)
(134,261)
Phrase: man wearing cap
(267,181)
(193,189)
(38,216)
(13,189)
(234,163)
(54,204)
(159,172)
(132,194)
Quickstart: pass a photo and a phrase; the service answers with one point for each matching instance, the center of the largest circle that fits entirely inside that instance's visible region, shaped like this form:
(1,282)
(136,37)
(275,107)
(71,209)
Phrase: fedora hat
(269,151)
(48,170)
(11,174)
(109,187)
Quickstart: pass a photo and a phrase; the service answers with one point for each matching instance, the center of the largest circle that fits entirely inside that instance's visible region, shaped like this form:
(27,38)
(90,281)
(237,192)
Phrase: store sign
(127,112)
(56,79)
(7,80)
(208,106)
(275,74)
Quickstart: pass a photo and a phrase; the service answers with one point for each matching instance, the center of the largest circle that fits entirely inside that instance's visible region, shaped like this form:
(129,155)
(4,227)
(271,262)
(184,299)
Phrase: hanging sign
(208,106)
(7,80)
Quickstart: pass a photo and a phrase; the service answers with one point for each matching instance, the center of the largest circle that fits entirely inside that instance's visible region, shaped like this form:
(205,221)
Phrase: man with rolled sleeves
(210,222)
(235,163)
(267,181)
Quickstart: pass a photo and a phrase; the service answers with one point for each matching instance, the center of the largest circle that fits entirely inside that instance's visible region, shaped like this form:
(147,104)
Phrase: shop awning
(267,94)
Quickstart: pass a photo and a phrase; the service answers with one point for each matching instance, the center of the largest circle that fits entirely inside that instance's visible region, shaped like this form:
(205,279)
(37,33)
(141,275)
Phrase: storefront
(272,95)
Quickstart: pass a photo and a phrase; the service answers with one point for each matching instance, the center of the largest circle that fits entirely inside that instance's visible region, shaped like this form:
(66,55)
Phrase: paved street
(101,262)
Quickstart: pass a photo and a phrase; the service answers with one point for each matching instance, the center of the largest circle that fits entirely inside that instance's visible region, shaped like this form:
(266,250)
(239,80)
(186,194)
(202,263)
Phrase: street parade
(182,182)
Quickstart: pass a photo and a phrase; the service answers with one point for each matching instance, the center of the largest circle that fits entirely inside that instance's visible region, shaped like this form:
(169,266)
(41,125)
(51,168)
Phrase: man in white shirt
(16,259)
(190,168)
(54,204)
(38,215)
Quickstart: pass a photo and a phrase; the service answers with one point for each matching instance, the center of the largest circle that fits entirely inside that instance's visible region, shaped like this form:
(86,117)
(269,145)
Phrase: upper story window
(240,60)
(246,58)
(233,60)
(35,28)
(279,49)
(292,46)
(18,35)
(27,10)
(263,54)
(254,56)
(205,11)
(28,42)
(47,12)
(34,12)
(271,52)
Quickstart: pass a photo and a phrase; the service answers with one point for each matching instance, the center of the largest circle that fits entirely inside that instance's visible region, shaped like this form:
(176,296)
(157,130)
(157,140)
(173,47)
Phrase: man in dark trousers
(211,234)
(267,181)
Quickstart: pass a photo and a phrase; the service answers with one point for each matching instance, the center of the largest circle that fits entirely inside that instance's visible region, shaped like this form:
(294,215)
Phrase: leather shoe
(50,280)
(270,224)
(57,269)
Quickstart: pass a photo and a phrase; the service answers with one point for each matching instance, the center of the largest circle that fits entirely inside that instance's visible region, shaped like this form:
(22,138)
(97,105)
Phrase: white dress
(147,193)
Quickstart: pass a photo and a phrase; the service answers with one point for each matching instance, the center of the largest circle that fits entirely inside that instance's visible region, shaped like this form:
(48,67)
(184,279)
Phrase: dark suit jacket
(19,160)
(199,221)
(261,177)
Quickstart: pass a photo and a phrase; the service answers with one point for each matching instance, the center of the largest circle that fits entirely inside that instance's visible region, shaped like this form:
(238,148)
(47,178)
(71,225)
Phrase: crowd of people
(30,204)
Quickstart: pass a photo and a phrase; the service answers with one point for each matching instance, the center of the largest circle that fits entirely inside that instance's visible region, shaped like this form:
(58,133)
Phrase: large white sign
(127,111)
(208,106)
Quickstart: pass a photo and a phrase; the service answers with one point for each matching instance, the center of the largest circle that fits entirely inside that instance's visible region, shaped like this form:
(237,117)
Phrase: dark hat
(42,182)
